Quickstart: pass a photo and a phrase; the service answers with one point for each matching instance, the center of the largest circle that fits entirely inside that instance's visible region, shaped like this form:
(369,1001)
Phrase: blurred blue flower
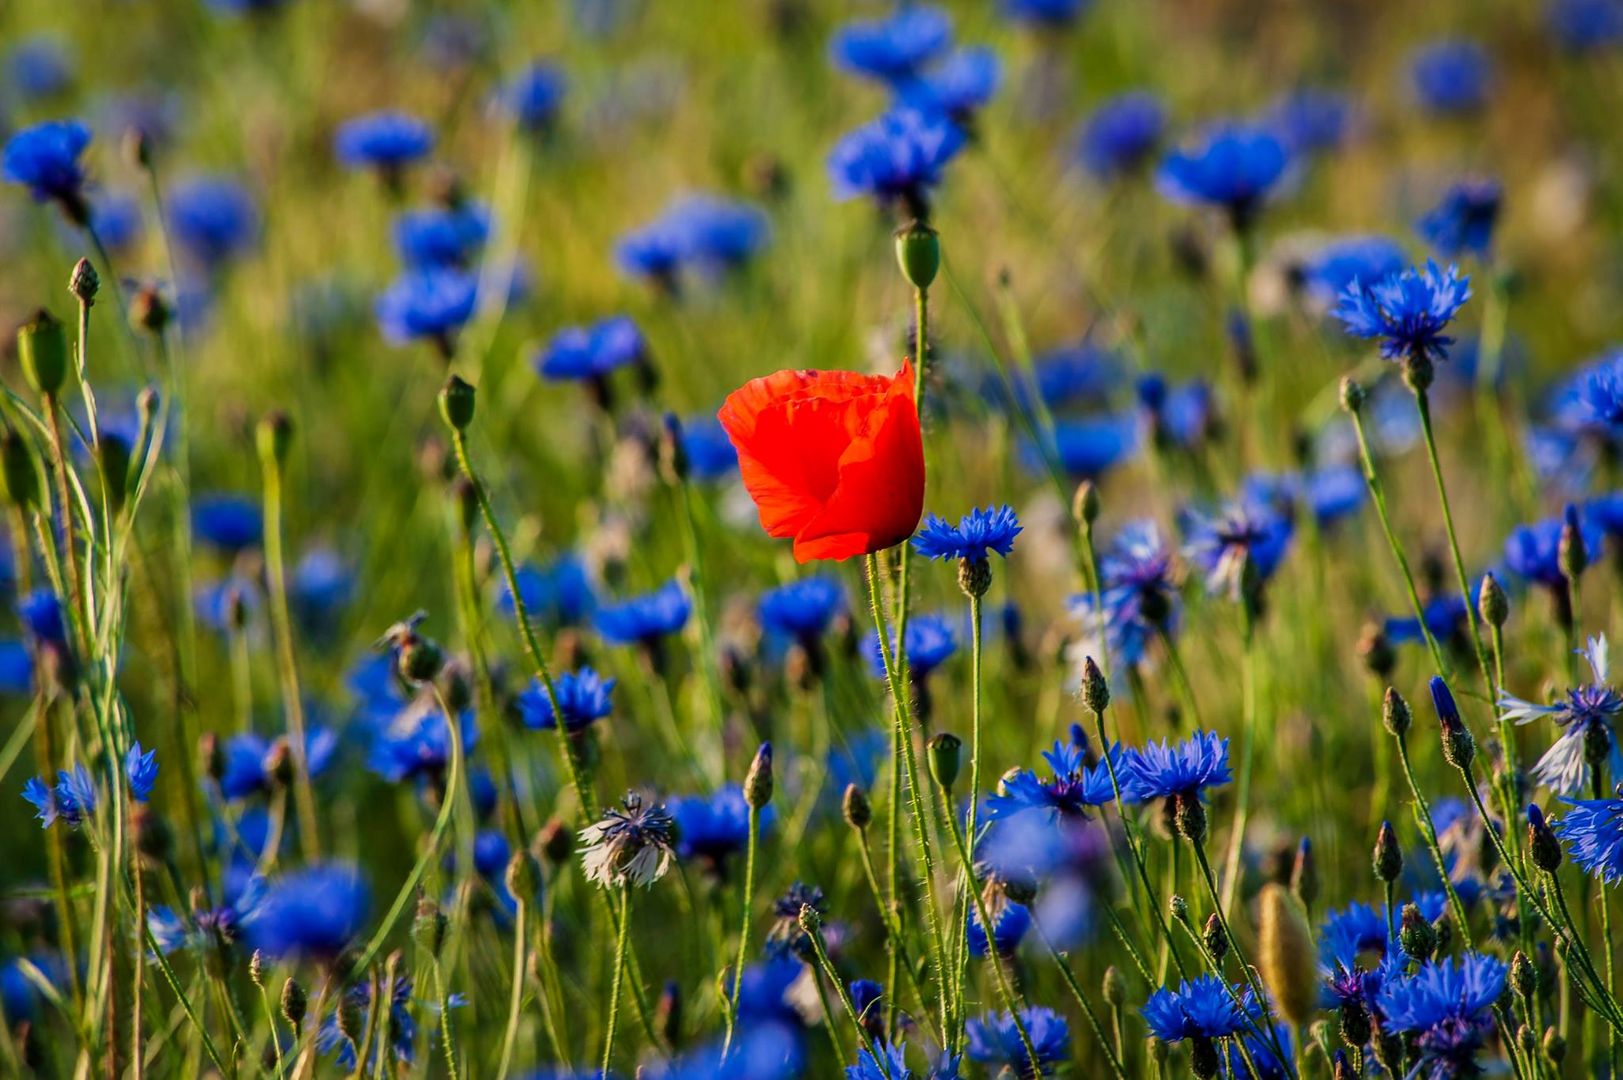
(386,141)
(1232,166)
(583,696)
(248,759)
(116,217)
(591,352)
(1090,447)
(430,304)
(212,219)
(1534,551)
(141,769)
(711,829)
(930,641)
(16,668)
(643,620)
(1138,589)
(559,592)
(802,609)
(1407,310)
(1312,119)
(1334,267)
(1462,223)
(1010,922)
(1121,134)
(43,619)
(441,236)
(1330,493)
(416,742)
(1593,831)
(895,47)
(958,86)
(1452,77)
(1220,545)
(994,1039)
(977,534)
(402,1026)
(1585,25)
(38,67)
(227,521)
(701,231)
(1049,14)
(321,584)
(45,159)
(535,97)
(896,158)
(710,452)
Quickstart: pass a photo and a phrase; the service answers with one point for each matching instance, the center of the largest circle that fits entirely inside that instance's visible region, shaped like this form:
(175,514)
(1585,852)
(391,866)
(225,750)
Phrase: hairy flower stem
(744,928)
(515,1000)
(622,940)
(895,943)
(1428,832)
(904,738)
(1423,408)
(447,1029)
(701,607)
(815,935)
(1599,788)
(1377,495)
(286,660)
(1111,1053)
(585,797)
(1242,810)
(78,620)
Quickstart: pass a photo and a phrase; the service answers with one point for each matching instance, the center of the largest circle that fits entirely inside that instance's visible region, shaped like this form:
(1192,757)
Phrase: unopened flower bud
(274,435)
(1459,749)
(523,877)
(1095,687)
(1388,855)
(1375,649)
(1416,935)
(457,402)
(1542,844)
(19,470)
(556,842)
(84,282)
(918,253)
(858,813)
(1179,908)
(944,751)
(1395,713)
(1217,942)
(758,781)
(1492,603)
(1352,394)
(1114,987)
(1085,503)
(1305,874)
(1574,559)
(294,1003)
(42,350)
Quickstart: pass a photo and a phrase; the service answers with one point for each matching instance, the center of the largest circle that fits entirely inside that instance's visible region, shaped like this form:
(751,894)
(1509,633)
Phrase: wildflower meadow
(829,539)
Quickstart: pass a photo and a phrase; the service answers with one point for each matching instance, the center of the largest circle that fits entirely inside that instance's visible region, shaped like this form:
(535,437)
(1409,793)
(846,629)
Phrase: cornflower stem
(185,1002)
(1180,674)
(840,1052)
(893,930)
(287,666)
(1428,833)
(270,1022)
(975,644)
(430,852)
(622,941)
(447,1030)
(1423,408)
(904,737)
(1377,495)
(369,1032)
(1234,945)
(138,878)
(1242,810)
(1133,848)
(56,856)
(1111,1053)
(815,935)
(697,580)
(1580,948)
(1598,786)
(515,1001)
(72,569)
(748,905)
(584,796)
(1011,1001)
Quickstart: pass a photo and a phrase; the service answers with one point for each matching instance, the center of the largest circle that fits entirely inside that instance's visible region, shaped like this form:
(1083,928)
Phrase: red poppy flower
(833,459)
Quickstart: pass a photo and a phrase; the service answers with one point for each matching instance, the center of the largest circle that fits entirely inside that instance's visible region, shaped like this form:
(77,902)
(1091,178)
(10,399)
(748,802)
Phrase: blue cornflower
(630,845)
(1049,14)
(1330,493)
(583,696)
(43,619)
(249,760)
(210,928)
(930,641)
(39,67)
(1169,770)
(213,220)
(710,453)
(491,853)
(977,534)
(427,304)
(116,217)
(1071,788)
(1232,166)
(1452,77)
(1587,713)
(227,521)
(643,620)
(1198,1009)
(441,236)
(1312,119)
(141,768)
(402,1025)
(893,48)
(1585,25)
(994,1039)
(1330,270)
(897,158)
(1593,830)
(1349,933)
(559,592)
(1445,616)
(590,353)
(385,141)
(1138,589)
(535,96)
(893,1065)
(958,86)
(72,799)
(1408,310)
(416,742)
(801,609)
(313,912)
(653,251)
(1593,399)
(16,668)
(1534,551)
(1446,1007)
(1081,373)
(45,159)
(1010,921)
(717,233)
(321,584)
(1090,447)
(713,828)
(1221,545)
(1121,134)
(1462,223)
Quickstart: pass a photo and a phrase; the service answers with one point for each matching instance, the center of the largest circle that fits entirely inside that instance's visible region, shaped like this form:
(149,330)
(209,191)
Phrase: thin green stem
(744,927)
(515,1000)
(621,942)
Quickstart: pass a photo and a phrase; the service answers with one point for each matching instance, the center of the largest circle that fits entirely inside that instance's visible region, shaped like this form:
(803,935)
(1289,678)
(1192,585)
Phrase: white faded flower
(628,846)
